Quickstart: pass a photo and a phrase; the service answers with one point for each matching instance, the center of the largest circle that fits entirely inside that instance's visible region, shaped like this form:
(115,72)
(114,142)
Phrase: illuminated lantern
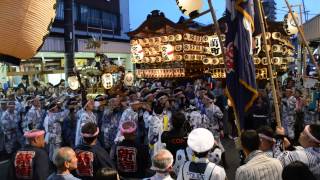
(73,82)
(276,60)
(128,79)
(257,47)
(215,61)
(178,37)
(256,60)
(107,81)
(207,61)
(214,45)
(276,35)
(276,48)
(137,53)
(190,7)
(24,26)
(288,24)
(167,52)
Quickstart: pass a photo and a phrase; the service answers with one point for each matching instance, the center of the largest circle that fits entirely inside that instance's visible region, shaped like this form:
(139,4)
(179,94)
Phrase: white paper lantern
(167,52)
(107,81)
(257,47)
(128,79)
(288,24)
(137,53)
(73,82)
(190,7)
(24,25)
(214,45)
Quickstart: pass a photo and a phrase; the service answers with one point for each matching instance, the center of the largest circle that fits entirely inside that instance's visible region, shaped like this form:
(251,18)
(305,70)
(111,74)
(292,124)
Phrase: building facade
(104,20)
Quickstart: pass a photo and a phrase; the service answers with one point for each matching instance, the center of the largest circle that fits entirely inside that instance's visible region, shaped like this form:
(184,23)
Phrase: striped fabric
(310,156)
(259,167)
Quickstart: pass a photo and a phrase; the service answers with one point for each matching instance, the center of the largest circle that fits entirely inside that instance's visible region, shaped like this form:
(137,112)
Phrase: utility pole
(68,37)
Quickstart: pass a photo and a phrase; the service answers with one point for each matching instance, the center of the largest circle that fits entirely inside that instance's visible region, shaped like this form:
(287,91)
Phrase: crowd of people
(156,130)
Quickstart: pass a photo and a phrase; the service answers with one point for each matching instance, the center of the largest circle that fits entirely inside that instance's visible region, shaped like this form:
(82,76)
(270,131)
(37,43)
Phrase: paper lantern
(288,24)
(164,38)
(128,79)
(284,50)
(178,37)
(276,35)
(257,47)
(167,52)
(178,47)
(73,82)
(178,57)
(24,25)
(190,7)
(256,60)
(137,53)
(276,48)
(205,38)
(207,61)
(107,81)
(276,60)
(214,45)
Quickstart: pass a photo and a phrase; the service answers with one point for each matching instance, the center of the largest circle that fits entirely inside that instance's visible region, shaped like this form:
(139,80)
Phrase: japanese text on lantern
(126,157)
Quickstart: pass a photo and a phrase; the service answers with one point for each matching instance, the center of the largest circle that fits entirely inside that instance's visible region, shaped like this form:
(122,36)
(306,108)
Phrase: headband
(266,137)
(178,93)
(128,130)
(149,95)
(308,133)
(161,97)
(33,134)
(53,107)
(90,135)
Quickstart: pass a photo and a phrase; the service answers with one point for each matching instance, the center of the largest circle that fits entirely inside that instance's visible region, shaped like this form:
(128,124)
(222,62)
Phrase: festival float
(98,76)
(161,48)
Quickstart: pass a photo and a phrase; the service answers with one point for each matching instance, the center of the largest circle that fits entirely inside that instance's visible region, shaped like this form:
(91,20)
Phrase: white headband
(90,135)
(266,137)
(308,133)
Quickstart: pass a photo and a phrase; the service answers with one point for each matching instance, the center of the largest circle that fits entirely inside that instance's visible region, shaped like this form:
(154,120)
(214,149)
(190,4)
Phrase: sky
(139,9)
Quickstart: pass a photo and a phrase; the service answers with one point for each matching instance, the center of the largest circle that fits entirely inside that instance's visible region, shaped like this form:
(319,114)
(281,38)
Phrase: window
(94,17)
(60,10)
(84,14)
(109,20)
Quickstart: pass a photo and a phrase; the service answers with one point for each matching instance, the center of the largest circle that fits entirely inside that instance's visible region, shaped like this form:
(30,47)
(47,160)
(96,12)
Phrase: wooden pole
(274,94)
(271,52)
(303,38)
(217,28)
(302,63)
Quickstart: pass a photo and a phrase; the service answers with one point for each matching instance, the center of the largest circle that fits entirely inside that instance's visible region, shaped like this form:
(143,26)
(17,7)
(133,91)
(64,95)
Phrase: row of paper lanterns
(160,73)
(256,61)
(261,73)
(107,81)
(174,38)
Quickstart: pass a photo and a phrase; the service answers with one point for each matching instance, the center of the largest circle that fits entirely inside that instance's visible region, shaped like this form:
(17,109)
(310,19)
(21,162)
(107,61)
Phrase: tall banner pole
(303,38)
(274,94)
(218,31)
